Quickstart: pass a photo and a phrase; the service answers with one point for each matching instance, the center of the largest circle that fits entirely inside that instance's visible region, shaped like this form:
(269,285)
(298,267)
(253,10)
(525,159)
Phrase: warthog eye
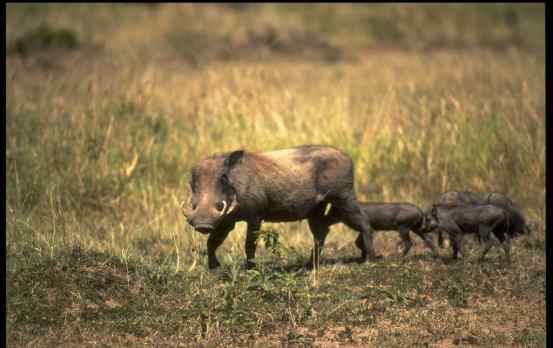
(219,206)
(225,180)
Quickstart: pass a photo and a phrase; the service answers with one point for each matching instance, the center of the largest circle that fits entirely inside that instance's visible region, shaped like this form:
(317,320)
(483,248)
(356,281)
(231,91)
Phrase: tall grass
(107,164)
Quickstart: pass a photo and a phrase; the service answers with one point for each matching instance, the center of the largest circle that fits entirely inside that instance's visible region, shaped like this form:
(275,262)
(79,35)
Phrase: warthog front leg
(455,237)
(507,247)
(252,235)
(505,241)
(407,242)
(441,239)
(367,239)
(457,245)
(215,240)
(484,236)
(429,242)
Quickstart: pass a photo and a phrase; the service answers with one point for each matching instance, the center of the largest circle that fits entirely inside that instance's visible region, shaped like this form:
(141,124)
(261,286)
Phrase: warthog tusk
(224,208)
(232,206)
(327,209)
(184,211)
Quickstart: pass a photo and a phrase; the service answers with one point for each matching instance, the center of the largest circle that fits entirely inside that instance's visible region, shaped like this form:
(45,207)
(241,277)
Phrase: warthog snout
(204,228)
(432,224)
(199,225)
(205,219)
(185,211)
(189,214)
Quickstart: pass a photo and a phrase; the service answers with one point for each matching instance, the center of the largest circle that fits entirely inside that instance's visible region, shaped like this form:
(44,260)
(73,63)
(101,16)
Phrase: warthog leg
(351,214)
(319,227)
(505,241)
(407,242)
(455,237)
(215,240)
(441,239)
(429,241)
(252,234)
(484,234)
(457,245)
(507,247)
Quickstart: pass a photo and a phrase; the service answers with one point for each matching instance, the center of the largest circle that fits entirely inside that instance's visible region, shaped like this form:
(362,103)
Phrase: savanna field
(109,106)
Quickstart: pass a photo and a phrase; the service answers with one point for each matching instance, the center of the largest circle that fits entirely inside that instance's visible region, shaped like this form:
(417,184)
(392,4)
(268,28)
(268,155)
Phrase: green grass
(395,302)
(100,140)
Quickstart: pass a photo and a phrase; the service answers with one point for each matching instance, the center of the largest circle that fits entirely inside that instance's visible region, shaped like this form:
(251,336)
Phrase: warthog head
(432,221)
(213,195)
(428,223)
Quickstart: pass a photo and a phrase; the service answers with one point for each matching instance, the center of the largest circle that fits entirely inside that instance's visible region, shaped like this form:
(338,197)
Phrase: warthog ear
(233,159)
(433,212)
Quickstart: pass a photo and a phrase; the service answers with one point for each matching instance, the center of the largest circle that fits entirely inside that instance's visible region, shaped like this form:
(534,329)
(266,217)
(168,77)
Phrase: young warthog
(400,217)
(458,220)
(466,197)
(519,225)
(286,185)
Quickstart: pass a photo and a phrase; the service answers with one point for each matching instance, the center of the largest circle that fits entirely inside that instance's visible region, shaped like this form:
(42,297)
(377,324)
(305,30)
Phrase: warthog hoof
(250,264)
(214,264)
(456,258)
(371,258)
(311,265)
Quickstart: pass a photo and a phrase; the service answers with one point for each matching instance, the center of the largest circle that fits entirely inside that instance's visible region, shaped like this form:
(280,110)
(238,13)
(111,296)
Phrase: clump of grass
(44,37)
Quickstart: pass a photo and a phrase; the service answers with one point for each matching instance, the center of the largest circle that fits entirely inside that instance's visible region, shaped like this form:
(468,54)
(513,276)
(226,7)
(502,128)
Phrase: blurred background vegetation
(203,33)
(108,107)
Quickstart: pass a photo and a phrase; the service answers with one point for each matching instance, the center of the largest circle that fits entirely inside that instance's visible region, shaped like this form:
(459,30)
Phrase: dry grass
(100,140)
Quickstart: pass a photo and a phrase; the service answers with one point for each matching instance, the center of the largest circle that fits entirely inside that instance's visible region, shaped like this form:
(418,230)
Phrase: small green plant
(271,240)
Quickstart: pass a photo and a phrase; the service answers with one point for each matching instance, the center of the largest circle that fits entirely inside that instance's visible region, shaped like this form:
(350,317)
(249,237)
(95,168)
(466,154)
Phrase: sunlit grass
(411,135)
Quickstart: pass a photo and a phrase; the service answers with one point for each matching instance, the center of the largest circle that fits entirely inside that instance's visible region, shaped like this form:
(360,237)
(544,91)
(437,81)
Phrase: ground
(87,298)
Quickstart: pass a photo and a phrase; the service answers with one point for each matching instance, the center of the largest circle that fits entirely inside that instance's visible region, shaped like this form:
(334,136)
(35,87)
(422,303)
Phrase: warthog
(401,217)
(285,185)
(466,197)
(484,220)
(518,221)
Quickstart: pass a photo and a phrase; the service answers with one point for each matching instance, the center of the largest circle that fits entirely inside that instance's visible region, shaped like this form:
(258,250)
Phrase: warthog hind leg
(319,227)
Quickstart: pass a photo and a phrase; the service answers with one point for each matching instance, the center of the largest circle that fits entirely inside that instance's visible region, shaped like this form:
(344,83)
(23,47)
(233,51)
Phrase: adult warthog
(285,185)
